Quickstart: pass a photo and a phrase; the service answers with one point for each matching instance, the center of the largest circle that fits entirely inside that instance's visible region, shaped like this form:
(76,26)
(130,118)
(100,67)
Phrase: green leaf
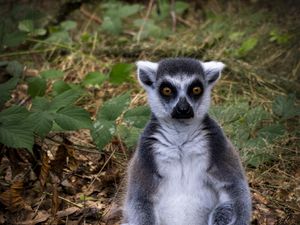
(130,136)
(113,108)
(14,132)
(26,26)
(39,32)
(36,86)
(68,25)
(65,99)
(52,74)
(14,68)
(181,6)
(94,78)
(13,113)
(41,122)
(112,25)
(14,39)
(40,104)
(128,10)
(284,107)
(271,132)
(102,132)
(120,73)
(73,118)
(59,87)
(138,117)
(247,46)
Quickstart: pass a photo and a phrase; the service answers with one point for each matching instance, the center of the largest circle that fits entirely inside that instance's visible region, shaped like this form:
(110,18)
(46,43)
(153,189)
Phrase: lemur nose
(183,109)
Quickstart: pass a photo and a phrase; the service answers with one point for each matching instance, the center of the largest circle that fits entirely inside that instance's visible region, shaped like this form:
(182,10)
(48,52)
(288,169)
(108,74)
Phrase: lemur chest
(184,194)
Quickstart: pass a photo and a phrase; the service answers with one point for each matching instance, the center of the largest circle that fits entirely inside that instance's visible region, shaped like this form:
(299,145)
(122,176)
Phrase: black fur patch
(175,66)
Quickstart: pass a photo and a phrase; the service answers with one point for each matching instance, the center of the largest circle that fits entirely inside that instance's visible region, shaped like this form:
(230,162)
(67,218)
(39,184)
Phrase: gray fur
(184,171)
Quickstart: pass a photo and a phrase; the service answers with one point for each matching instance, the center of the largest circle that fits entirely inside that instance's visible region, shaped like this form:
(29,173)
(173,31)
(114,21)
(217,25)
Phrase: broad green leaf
(64,99)
(14,136)
(41,122)
(138,117)
(128,10)
(13,113)
(40,104)
(14,132)
(113,108)
(14,39)
(38,32)
(60,86)
(26,25)
(36,86)
(102,132)
(14,68)
(68,25)
(120,73)
(94,78)
(52,74)
(284,107)
(72,118)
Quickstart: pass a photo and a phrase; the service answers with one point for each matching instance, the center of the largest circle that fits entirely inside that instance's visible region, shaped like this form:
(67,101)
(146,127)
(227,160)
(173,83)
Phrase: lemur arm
(139,206)
(235,202)
(234,206)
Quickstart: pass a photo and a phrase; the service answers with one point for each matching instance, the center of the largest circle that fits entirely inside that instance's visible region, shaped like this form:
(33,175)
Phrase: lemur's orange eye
(166,91)
(197,90)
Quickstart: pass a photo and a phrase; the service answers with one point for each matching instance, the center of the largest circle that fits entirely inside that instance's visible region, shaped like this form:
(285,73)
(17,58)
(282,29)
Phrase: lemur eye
(196,90)
(166,91)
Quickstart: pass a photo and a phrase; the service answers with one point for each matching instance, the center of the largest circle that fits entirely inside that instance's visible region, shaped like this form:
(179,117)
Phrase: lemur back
(184,171)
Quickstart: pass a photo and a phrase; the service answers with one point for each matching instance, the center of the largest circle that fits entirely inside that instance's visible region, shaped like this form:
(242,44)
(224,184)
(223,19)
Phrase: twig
(26,52)
(90,15)
(149,9)
(101,169)
(173,15)
(66,200)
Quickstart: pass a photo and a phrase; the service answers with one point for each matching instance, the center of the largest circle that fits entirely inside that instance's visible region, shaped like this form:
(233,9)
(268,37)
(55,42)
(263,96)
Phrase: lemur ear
(212,71)
(146,72)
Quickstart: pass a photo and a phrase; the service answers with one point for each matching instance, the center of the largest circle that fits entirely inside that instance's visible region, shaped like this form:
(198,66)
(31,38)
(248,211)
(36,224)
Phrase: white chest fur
(184,196)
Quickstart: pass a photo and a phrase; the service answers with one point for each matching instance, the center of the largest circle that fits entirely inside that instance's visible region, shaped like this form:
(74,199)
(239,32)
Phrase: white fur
(149,67)
(182,159)
(213,66)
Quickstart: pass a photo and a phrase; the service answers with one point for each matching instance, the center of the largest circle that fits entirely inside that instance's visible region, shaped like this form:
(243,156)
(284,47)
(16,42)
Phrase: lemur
(184,171)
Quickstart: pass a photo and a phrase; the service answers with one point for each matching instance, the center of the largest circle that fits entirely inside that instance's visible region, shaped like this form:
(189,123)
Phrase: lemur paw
(222,215)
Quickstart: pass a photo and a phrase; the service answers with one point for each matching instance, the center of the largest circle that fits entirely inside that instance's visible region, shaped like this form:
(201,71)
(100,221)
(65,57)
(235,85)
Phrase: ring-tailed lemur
(184,171)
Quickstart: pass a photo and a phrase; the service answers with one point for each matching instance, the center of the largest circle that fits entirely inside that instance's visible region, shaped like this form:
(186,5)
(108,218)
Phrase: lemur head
(179,88)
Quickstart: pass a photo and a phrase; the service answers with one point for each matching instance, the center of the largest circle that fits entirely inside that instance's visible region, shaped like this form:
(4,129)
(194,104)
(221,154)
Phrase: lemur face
(179,88)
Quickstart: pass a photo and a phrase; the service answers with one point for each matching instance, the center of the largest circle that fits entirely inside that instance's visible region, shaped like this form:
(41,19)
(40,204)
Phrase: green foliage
(279,38)
(28,27)
(15,131)
(285,107)
(120,73)
(105,127)
(114,14)
(94,78)
(252,130)
(247,46)
(13,69)
(52,74)
(36,86)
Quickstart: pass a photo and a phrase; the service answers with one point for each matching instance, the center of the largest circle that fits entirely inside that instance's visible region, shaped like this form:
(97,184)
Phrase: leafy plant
(285,107)
(279,38)
(247,46)
(251,129)
(114,13)
(13,70)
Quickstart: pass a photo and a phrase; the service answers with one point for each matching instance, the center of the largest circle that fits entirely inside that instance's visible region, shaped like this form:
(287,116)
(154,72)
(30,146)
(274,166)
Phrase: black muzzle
(183,110)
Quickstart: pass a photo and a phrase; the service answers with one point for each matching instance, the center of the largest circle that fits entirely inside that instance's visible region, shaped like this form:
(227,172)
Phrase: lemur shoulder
(184,171)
